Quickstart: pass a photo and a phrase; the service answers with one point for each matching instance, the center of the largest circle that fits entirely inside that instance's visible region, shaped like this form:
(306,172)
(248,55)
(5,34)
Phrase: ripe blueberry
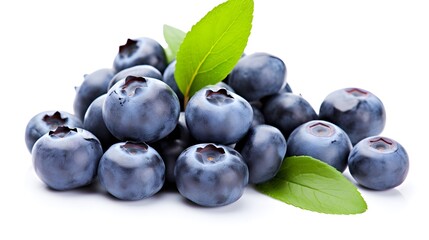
(258,75)
(67,158)
(94,123)
(358,112)
(211,175)
(131,171)
(217,115)
(93,86)
(170,80)
(263,149)
(287,111)
(141,109)
(321,140)
(378,163)
(141,51)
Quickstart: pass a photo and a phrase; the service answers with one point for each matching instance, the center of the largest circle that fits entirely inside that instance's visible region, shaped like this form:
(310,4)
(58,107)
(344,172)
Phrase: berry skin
(67,158)
(217,115)
(94,123)
(263,149)
(321,140)
(358,112)
(136,71)
(141,51)
(170,80)
(378,163)
(287,111)
(170,147)
(131,171)
(141,109)
(211,175)
(257,75)
(47,121)
(93,86)
(258,116)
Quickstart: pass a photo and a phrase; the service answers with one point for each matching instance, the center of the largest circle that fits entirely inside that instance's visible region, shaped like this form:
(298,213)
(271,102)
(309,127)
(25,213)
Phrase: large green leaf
(311,184)
(213,46)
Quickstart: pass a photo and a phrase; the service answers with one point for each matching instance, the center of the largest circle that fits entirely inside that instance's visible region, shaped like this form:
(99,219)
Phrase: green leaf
(169,54)
(311,184)
(174,38)
(213,46)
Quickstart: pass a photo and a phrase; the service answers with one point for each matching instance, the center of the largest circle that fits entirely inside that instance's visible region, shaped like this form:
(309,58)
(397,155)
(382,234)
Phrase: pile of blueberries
(131,130)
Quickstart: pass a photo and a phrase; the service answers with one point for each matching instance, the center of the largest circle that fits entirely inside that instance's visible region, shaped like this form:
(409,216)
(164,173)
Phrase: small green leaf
(213,46)
(311,184)
(174,38)
(169,54)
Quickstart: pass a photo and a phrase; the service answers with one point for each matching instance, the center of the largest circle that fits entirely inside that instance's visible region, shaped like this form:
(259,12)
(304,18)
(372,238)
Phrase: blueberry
(141,51)
(170,80)
(258,116)
(263,149)
(47,121)
(358,112)
(378,163)
(94,123)
(66,158)
(170,147)
(136,71)
(258,75)
(322,140)
(217,115)
(141,109)
(287,111)
(131,171)
(93,86)
(211,175)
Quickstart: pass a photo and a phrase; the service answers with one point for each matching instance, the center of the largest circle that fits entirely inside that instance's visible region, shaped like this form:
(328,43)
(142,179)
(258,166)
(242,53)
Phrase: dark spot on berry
(129,48)
(54,120)
(321,129)
(209,148)
(382,144)
(221,91)
(210,153)
(357,92)
(219,97)
(134,148)
(62,131)
(133,85)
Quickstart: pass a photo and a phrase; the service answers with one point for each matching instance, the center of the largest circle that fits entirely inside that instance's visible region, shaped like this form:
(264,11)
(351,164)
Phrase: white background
(47,46)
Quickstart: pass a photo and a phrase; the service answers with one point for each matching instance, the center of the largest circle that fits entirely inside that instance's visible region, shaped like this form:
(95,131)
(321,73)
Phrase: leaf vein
(215,66)
(315,189)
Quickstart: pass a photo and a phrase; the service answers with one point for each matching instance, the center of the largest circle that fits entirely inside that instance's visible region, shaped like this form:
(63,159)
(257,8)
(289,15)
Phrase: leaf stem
(185,100)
